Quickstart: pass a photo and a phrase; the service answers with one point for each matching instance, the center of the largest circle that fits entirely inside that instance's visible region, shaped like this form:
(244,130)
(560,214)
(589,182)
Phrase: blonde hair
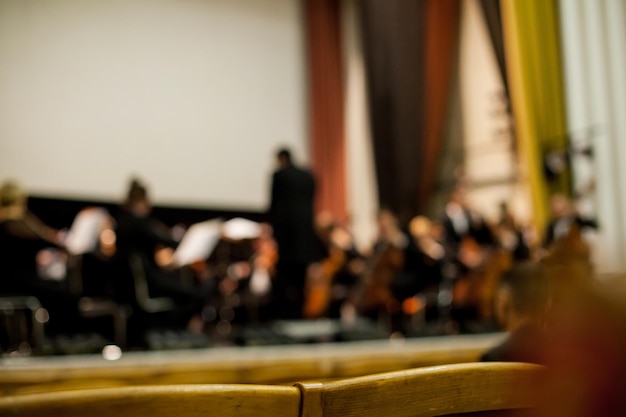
(11,194)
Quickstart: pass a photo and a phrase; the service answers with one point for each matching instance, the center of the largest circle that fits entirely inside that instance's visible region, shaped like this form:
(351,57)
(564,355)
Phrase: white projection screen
(192,96)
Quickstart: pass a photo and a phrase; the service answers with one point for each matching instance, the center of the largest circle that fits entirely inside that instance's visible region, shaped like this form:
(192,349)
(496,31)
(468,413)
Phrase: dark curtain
(409,48)
(326,118)
(491,11)
(493,18)
(393,40)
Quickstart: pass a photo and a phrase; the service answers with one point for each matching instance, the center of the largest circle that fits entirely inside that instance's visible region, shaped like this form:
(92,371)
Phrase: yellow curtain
(532,46)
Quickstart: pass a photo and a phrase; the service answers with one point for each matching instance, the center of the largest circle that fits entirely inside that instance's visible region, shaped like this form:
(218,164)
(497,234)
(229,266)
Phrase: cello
(376,290)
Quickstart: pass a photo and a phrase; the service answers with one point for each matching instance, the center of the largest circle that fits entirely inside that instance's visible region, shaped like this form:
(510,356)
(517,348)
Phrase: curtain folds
(361,179)
(409,48)
(533,60)
(493,18)
(442,31)
(393,38)
(593,36)
(326,112)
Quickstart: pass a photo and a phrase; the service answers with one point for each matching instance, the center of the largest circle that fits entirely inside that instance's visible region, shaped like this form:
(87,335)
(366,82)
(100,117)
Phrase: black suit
(560,227)
(291,217)
(475,228)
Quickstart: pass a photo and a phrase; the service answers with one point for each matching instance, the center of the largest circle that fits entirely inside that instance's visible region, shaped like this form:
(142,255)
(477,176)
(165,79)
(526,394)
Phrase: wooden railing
(426,392)
(250,365)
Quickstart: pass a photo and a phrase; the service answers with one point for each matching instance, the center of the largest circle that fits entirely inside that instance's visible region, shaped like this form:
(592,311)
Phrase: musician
(22,238)
(385,276)
(564,216)
(511,236)
(460,222)
(139,234)
(291,217)
(333,279)
(521,308)
(423,255)
(473,263)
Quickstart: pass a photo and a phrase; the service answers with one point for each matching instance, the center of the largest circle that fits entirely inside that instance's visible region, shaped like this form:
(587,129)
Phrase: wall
(192,96)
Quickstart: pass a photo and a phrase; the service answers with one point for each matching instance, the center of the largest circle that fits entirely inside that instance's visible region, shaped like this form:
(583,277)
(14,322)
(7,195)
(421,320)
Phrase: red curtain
(441,40)
(326,118)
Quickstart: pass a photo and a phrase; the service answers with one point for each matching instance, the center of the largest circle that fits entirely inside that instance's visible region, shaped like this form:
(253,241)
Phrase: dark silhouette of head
(283,157)
(137,198)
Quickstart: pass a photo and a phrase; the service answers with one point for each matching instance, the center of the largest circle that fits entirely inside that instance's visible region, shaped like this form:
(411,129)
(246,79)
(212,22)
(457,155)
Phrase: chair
(142,295)
(159,401)
(95,307)
(476,389)
(19,316)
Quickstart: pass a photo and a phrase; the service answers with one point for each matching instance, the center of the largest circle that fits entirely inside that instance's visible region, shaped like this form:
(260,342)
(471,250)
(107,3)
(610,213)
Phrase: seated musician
(141,235)
(22,237)
(423,263)
(563,217)
(461,222)
(511,236)
(473,263)
(396,273)
(386,264)
(338,272)
(521,304)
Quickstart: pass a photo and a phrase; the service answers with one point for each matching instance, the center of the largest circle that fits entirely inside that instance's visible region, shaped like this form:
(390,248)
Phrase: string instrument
(572,254)
(318,291)
(569,258)
(485,266)
(377,288)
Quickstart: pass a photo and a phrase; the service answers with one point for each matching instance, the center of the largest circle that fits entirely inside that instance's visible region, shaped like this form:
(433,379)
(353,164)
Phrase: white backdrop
(593,37)
(193,96)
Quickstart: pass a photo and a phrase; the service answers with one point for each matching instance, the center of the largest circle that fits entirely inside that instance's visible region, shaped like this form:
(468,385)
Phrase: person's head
(386,218)
(12,198)
(325,222)
(559,205)
(420,227)
(283,158)
(522,295)
(137,198)
(457,196)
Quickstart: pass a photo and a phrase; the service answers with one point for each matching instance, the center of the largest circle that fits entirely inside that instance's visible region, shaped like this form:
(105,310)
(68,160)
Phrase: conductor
(291,217)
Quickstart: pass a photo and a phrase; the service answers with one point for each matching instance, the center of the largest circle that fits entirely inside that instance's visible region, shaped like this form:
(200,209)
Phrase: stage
(280,364)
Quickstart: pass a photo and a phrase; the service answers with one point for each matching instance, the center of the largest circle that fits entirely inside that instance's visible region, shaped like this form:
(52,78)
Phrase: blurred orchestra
(221,279)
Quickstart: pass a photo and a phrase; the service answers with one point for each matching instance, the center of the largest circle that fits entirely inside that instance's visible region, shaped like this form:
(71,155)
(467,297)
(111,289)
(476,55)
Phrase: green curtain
(534,70)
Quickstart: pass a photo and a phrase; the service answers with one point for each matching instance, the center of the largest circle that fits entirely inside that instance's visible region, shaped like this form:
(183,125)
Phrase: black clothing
(418,263)
(523,345)
(476,228)
(140,236)
(291,217)
(558,228)
(20,241)
(291,214)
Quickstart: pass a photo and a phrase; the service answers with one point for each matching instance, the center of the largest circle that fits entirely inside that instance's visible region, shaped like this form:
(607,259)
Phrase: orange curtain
(326,118)
(441,26)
